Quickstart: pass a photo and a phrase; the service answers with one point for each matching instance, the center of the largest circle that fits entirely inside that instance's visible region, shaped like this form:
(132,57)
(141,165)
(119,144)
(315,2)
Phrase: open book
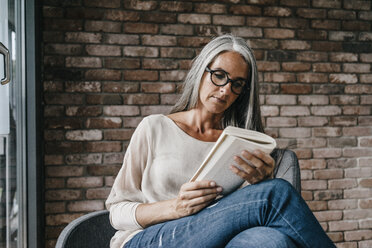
(232,141)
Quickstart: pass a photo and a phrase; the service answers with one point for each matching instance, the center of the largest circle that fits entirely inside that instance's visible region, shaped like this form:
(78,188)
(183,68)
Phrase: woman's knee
(261,237)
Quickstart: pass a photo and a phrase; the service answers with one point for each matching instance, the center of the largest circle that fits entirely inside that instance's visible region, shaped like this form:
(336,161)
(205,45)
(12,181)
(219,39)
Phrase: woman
(152,202)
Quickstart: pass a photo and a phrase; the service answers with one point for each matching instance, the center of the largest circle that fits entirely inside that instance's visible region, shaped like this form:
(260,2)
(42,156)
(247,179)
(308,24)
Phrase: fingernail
(219,189)
(213,184)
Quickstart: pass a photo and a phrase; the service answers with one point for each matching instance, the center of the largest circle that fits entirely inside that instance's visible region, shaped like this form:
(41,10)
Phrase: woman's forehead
(231,62)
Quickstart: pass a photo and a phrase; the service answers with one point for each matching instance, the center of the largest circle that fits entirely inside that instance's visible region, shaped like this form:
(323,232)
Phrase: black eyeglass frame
(245,86)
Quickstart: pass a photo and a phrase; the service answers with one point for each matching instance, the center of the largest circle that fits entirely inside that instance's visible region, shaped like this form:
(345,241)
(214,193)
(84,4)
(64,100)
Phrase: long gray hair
(245,111)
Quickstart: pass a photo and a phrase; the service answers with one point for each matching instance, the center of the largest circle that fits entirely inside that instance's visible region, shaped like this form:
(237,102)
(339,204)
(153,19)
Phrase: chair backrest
(90,230)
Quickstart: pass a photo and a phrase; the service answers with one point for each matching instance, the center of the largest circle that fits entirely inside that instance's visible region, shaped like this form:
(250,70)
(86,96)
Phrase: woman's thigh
(261,237)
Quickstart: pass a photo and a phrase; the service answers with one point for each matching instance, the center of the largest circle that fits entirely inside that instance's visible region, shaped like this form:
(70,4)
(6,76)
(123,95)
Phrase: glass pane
(11,151)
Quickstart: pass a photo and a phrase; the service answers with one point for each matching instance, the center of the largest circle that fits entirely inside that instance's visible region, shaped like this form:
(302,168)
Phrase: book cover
(232,141)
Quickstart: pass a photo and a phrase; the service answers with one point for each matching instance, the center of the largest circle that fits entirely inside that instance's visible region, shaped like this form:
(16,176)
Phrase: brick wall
(107,64)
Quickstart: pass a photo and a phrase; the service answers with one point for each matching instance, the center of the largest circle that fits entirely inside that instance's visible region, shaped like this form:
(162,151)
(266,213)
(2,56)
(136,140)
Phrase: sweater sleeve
(126,194)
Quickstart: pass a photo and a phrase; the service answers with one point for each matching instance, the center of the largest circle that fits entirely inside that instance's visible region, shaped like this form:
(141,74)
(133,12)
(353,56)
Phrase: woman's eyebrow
(220,69)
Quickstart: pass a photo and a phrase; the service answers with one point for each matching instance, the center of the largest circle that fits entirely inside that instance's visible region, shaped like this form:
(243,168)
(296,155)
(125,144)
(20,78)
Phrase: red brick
(263,44)
(365,204)
(98,193)
(96,146)
(51,135)
(279,77)
(326,24)
(84,182)
(141,75)
(356,110)
(61,219)
(140,51)
(194,18)
(327,3)
(313,100)
(294,111)
(83,159)
(159,40)
(328,46)
(228,20)
(357,193)
(176,6)
(54,183)
(326,110)
(119,88)
(312,13)
(312,34)
(311,142)
(296,66)
(295,88)
(343,78)
(365,141)
(64,171)
(365,120)
(343,121)
(120,15)
(158,87)
(81,135)
(54,61)
(192,41)
(83,37)
(57,123)
(277,11)
(121,39)
(83,111)
(154,17)
(103,170)
(341,36)
(357,68)
(122,134)
(307,175)
(277,33)
(357,214)
(342,204)
(312,78)
(303,153)
(342,163)
(295,45)
(140,5)
(327,131)
(176,52)
(366,78)
(357,131)
(312,56)
(51,11)
(122,63)
(55,207)
(121,110)
(102,26)
(113,158)
(358,89)
(356,26)
(366,224)
(328,174)
(358,235)
(109,181)
(103,74)
(280,99)
(176,75)
(358,172)
(177,29)
(328,215)
(63,99)
(343,57)
(326,67)
(281,122)
(53,159)
(298,132)
(336,236)
(366,57)
(85,206)
(132,121)
(342,225)
(62,195)
(104,123)
(269,111)
(312,121)
(83,86)
(317,205)
(327,153)
(63,49)
(63,24)
(247,32)
(103,50)
(148,110)
(262,22)
(159,64)
(169,99)
(342,142)
(97,3)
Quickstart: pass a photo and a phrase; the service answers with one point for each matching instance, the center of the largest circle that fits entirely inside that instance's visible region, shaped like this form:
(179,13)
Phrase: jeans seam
(281,216)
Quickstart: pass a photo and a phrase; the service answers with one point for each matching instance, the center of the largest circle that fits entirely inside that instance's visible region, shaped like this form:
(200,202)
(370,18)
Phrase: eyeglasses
(220,78)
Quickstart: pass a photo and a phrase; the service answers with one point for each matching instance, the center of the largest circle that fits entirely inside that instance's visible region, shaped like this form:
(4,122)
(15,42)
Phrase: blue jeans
(267,214)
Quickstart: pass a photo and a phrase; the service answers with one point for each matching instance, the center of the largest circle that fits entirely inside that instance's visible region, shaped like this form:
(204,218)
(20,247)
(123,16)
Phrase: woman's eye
(219,75)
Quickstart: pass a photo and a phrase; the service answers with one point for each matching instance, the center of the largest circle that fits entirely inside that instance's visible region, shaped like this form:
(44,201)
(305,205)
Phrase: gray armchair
(94,230)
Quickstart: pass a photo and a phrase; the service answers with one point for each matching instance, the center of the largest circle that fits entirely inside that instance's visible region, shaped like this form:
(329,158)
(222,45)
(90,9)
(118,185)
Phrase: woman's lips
(219,99)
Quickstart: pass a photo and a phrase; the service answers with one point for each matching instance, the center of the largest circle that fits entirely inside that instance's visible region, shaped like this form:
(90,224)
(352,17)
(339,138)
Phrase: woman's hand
(194,196)
(254,167)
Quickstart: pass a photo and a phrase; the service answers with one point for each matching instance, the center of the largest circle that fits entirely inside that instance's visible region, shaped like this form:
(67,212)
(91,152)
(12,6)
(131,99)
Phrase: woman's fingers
(255,166)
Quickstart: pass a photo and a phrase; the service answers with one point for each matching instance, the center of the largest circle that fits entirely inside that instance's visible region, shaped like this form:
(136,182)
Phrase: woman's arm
(193,197)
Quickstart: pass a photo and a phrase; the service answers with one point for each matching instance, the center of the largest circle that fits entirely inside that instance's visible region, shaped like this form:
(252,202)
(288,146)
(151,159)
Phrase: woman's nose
(226,89)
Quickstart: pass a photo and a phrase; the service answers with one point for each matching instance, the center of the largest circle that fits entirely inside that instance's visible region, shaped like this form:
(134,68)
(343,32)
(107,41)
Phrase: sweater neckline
(184,133)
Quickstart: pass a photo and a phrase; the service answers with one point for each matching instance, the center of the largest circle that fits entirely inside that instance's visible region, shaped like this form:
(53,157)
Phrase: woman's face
(216,99)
